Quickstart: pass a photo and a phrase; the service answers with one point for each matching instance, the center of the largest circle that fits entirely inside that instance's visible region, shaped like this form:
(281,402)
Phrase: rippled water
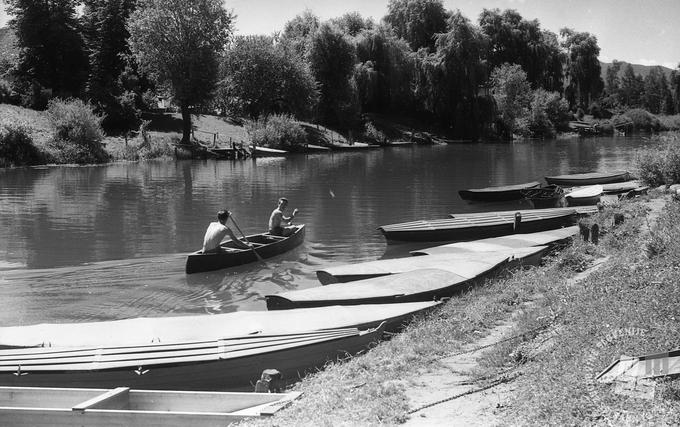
(109,242)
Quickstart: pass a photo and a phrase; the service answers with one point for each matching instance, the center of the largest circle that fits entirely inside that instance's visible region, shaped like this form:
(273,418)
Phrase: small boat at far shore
(121,406)
(590,178)
(502,193)
(583,196)
(265,245)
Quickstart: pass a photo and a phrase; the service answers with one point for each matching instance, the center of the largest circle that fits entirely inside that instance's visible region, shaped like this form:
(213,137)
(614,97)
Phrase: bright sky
(637,31)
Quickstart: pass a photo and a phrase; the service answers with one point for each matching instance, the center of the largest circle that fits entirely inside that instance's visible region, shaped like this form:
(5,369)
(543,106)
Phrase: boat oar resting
(265,246)
(501,193)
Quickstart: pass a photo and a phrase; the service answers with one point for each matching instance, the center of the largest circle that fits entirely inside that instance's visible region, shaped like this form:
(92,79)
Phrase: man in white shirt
(217,231)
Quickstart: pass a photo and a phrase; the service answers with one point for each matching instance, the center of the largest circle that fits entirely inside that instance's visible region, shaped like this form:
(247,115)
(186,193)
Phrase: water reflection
(85,243)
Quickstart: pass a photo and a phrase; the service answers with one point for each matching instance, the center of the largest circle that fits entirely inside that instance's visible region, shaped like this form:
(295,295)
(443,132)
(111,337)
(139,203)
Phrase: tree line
(502,75)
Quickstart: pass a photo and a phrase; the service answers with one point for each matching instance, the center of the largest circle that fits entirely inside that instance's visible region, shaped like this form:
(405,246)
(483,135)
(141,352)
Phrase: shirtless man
(217,231)
(277,220)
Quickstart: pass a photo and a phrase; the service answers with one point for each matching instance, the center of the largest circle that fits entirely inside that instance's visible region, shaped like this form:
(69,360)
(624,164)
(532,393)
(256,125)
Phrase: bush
(78,133)
(643,119)
(16,147)
(670,122)
(661,165)
(548,112)
(374,134)
(280,131)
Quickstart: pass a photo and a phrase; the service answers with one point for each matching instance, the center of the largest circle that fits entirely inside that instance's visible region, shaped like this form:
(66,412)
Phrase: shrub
(277,131)
(5,91)
(78,133)
(661,165)
(16,147)
(643,119)
(548,112)
(374,134)
(670,122)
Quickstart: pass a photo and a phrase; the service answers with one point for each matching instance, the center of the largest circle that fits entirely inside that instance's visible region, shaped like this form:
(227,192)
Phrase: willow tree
(178,43)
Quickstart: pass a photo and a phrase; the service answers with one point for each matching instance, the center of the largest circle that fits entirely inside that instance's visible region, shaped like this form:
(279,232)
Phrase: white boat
(589,195)
(121,406)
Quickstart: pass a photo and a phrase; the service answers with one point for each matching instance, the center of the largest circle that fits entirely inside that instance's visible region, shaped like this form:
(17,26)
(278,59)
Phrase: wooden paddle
(245,238)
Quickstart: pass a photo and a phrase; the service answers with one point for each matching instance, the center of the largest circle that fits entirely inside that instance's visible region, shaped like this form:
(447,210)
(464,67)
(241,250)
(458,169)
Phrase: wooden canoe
(265,244)
(583,196)
(590,178)
(467,264)
(478,226)
(543,238)
(580,211)
(549,196)
(494,194)
(621,187)
(165,330)
(229,364)
(67,407)
(416,285)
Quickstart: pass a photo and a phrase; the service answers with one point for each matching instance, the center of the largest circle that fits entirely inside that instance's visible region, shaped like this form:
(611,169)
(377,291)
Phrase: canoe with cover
(472,227)
(590,178)
(265,245)
(589,195)
(228,364)
(467,264)
(501,193)
(206,327)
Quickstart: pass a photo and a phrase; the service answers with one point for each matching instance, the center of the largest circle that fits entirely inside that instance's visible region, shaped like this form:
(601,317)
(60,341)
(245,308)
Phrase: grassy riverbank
(560,323)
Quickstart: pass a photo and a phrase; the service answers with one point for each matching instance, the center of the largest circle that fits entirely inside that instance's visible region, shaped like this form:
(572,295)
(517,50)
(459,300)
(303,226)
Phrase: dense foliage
(277,131)
(16,146)
(78,133)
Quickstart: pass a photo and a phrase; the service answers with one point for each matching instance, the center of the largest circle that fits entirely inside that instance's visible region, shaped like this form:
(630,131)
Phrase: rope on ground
(482,347)
(492,384)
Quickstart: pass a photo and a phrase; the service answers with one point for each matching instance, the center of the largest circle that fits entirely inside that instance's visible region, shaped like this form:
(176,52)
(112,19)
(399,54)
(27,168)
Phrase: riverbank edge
(533,305)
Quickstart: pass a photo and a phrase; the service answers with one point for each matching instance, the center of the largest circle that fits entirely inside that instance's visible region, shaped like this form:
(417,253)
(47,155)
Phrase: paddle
(245,238)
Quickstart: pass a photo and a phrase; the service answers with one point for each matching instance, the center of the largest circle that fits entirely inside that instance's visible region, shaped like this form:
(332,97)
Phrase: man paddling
(217,231)
(279,224)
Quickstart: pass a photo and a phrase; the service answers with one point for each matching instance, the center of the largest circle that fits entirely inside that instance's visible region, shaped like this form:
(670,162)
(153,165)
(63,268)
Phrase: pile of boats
(562,190)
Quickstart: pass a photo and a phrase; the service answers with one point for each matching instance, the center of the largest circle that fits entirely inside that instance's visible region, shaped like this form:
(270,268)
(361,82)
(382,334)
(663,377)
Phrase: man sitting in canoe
(277,220)
(217,231)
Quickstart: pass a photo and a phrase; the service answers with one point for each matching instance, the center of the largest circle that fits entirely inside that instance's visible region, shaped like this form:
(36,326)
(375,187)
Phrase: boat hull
(497,194)
(271,246)
(588,178)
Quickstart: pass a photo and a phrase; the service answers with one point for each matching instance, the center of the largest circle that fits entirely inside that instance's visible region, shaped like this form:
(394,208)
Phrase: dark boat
(591,178)
(478,226)
(265,245)
(497,194)
(549,196)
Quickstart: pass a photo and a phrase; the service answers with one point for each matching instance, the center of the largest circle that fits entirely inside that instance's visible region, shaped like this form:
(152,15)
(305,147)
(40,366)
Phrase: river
(110,242)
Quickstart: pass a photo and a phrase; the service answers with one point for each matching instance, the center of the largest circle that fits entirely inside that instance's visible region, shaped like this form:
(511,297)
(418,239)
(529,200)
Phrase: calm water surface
(109,242)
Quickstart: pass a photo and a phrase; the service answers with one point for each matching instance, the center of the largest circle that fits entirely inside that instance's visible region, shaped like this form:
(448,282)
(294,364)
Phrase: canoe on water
(229,364)
(467,264)
(589,195)
(168,330)
(502,193)
(121,406)
(543,238)
(265,245)
(477,226)
(590,178)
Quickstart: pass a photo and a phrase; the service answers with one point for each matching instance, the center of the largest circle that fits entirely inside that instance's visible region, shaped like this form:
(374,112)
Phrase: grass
(632,289)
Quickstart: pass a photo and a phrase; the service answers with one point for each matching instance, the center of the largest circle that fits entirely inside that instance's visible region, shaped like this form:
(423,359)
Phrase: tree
(52,49)
(352,23)
(332,58)
(178,43)
(298,32)
(512,93)
(632,87)
(675,88)
(417,21)
(657,97)
(259,78)
(583,66)
(106,34)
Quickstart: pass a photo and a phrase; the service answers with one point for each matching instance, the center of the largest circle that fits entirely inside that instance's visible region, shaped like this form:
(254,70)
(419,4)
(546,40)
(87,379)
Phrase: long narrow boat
(467,264)
(471,227)
(590,178)
(580,211)
(589,195)
(229,364)
(416,285)
(265,245)
(542,238)
(502,193)
(621,187)
(166,330)
(67,407)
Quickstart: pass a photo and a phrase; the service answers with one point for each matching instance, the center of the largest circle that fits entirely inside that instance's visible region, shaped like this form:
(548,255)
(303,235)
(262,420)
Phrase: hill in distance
(642,70)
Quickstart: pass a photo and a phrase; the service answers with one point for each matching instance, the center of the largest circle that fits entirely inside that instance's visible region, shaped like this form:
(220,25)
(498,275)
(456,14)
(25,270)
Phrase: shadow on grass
(163,122)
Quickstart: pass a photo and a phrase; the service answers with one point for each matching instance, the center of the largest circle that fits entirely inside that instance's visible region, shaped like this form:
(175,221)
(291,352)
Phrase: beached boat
(207,327)
(228,364)
(621,187)
(497,194)
(257,151)
(589,195)
(416,285)
(465,264)
(542,238)
(590,178)
(550,196)
(68,407)
(580,211)
(265,245)
(477,226)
